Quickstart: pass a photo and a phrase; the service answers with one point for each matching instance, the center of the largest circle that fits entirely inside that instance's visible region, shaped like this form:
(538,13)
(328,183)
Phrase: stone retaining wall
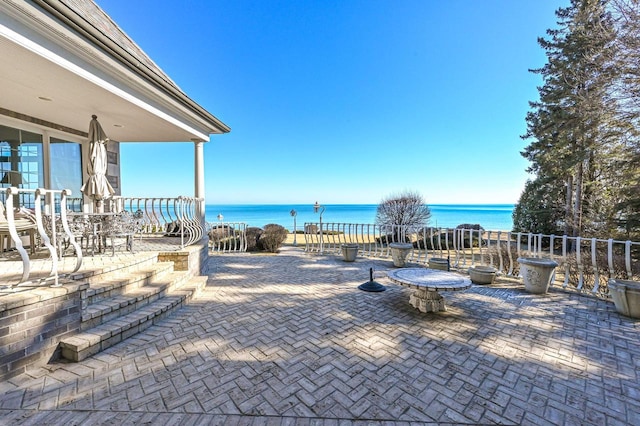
(192,258)
(32,322)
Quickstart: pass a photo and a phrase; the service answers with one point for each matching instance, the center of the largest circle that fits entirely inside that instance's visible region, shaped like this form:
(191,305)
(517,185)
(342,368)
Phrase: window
(21,161)
(66,166)
(66,170)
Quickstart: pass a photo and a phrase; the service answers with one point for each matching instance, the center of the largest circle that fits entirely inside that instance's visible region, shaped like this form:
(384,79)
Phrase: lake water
(489,216)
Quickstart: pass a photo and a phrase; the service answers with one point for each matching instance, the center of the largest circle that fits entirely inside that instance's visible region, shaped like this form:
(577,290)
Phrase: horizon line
(357,204)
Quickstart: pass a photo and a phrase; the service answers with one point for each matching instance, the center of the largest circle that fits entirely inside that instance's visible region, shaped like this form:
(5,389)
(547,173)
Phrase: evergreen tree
(574,125)
(538,209)
(627,92)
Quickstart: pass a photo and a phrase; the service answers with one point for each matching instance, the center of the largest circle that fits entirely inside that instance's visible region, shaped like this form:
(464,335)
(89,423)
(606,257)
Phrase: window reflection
(21,162)
(66,169)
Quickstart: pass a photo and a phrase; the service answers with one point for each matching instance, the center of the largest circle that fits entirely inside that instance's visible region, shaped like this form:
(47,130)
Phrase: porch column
(199,177)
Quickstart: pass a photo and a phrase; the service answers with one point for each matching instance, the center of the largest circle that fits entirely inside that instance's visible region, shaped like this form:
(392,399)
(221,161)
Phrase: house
(63,62)
(66,60)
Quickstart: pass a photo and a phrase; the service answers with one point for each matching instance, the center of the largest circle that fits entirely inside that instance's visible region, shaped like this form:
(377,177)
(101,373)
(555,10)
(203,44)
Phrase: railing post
(566,264)
(627,259)
(446,242)
(498,247)
(67,231)
(471,246)
(26,265)
(579,261)
(511,264)
(612,273)
(518,243)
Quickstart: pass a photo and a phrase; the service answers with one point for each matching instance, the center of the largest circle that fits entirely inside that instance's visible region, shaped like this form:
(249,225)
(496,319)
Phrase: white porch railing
(51,223)
(48,220)
(585,264)
(177,217)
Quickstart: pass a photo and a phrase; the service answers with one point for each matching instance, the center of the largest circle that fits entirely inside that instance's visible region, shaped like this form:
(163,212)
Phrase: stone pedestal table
(427,284)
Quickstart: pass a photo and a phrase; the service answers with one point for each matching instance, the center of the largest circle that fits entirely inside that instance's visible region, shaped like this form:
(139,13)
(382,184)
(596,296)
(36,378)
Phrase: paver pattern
(288,339)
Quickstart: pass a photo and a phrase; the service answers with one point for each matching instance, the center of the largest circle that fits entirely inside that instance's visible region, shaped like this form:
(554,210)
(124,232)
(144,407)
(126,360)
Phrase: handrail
(173,216)
(53,208)
(17,241)
(585,264)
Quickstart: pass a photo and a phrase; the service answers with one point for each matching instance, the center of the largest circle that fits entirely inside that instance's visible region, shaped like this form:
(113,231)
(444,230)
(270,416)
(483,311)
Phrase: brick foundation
(32,322)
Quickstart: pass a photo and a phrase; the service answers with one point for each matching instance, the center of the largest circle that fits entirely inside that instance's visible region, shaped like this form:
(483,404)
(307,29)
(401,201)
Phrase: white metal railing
(584,264)
(175,217)
(52,225)
(227,237)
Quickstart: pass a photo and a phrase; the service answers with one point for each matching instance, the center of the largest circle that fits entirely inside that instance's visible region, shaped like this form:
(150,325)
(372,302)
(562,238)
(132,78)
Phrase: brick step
(118,305)
(120,282)
(101,337)
(95,276)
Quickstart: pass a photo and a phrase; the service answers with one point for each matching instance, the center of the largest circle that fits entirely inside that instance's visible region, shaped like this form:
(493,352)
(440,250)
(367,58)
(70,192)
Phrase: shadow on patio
(288,338)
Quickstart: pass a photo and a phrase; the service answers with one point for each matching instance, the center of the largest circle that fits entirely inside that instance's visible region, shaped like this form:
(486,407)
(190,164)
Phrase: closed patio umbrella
(97,186)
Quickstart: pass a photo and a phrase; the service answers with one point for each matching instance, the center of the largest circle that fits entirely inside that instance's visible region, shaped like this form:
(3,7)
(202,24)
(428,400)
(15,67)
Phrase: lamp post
(317,207)
(220,218)
(293,215)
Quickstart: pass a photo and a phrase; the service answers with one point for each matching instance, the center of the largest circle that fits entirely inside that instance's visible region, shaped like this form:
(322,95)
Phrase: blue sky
(344,101)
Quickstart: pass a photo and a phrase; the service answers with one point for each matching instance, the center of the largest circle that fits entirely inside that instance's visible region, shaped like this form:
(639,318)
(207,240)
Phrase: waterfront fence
(584,264)
(227,237)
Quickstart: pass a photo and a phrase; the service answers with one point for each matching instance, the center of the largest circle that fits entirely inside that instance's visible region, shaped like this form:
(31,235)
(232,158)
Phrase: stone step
(106,309)
(120,282)
(101,337)
(96,275)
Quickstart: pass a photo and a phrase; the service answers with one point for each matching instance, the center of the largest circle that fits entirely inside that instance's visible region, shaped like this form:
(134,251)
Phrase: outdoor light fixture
(293,214)
(316,208)
(220,217)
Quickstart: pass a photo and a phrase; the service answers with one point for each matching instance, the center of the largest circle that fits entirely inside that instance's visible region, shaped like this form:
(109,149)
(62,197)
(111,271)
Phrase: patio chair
(24,225)
(120,225)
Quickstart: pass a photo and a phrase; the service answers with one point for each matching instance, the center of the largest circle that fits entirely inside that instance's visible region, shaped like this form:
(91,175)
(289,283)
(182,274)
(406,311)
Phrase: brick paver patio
(288,339)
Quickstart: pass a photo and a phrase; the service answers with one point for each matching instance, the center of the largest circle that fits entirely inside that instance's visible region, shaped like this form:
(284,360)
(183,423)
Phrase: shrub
(440,238)
(475,226)
(272,237)
(389,238)
(253,236)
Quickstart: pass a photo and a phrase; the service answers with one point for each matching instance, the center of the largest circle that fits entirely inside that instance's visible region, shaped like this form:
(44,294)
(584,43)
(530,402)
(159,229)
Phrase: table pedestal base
(427,301)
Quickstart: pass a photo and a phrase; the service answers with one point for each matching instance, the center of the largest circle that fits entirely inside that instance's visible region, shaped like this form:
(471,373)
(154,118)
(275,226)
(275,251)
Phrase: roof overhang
(61,75)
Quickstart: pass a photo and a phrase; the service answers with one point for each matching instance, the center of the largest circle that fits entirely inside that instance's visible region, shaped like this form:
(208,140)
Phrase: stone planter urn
(439,263)
(626,296)
(482,274)
(536,273)
(349,252)
(400,252)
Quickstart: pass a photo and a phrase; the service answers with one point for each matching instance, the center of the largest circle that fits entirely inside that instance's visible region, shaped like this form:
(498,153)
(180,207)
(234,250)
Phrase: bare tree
(407,209)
